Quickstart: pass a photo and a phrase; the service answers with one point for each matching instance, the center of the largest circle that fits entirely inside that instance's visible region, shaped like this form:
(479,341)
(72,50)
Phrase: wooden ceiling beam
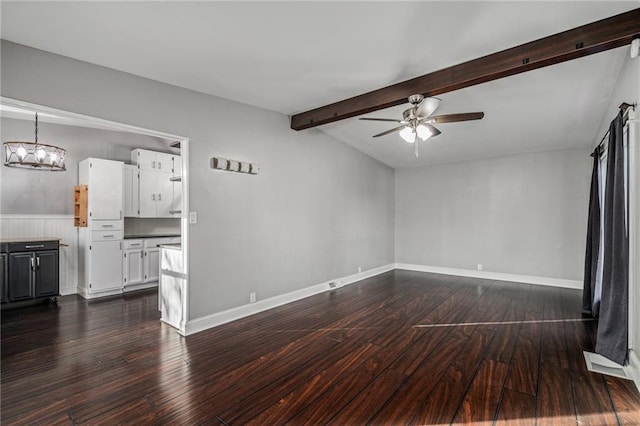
(585,40)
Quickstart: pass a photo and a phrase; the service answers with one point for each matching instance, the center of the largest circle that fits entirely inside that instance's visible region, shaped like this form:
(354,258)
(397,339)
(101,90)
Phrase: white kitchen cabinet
(131,204)
(152,160)
(104,266)
(151,264)
(133,263)
(157,193)
(104,181)
(100,242)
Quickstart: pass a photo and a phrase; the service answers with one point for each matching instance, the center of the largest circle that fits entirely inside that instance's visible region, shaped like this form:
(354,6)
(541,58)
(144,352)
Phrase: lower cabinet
(133,270)
(29,270)
(141,260)
(105,266)
(151,264)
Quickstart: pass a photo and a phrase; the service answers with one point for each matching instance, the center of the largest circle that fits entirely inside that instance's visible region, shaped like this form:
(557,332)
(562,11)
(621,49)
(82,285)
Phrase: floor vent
(598,364)
(333,284)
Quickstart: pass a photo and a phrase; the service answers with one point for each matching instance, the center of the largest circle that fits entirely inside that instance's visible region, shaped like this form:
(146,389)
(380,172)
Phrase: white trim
(500,276)
(82,291)
(35,216)
(219,318)
(122,127)
(633,368)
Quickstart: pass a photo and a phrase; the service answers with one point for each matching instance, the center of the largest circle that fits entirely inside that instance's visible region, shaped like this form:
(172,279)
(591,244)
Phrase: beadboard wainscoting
(50,226)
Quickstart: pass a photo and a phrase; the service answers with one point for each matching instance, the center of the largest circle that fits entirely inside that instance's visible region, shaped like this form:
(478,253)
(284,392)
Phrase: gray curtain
(611,340)
(593,241)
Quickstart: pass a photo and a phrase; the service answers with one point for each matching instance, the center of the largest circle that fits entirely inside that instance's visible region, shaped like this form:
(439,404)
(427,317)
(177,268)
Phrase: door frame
(128,128)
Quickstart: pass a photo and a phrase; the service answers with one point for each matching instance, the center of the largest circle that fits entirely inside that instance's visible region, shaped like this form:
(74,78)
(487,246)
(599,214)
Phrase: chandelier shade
(34,155)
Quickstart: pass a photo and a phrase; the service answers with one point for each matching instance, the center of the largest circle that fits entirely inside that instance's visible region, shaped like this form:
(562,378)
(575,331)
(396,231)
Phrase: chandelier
(34,155)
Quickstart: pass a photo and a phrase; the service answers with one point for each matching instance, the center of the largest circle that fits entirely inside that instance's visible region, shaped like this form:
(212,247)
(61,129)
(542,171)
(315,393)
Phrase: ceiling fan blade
(381,119)
(450,118)
(427,106)
(432,129)
(389,131)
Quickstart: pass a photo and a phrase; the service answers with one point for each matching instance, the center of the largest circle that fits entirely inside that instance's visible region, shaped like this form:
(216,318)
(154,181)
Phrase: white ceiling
(294,56)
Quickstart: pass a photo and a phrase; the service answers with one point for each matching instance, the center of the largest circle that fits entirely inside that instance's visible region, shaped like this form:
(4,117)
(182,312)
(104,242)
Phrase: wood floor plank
(517,409)
(481,401)
(555,398)
(397,348)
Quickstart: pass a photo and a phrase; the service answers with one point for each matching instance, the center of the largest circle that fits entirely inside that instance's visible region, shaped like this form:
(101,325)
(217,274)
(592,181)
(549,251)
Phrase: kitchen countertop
(133,236)
(175,246)
(27,240)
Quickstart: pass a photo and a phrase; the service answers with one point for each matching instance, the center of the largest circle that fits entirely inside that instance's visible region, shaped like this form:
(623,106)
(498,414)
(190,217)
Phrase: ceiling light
(408,134)
(34,155)
(424,132)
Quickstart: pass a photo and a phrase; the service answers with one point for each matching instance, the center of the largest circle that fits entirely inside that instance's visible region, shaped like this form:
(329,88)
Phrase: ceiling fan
(416,121)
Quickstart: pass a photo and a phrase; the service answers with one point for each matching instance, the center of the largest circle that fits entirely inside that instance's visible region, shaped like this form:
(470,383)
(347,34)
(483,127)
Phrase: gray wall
(523,214)
(318,210)
(37,192)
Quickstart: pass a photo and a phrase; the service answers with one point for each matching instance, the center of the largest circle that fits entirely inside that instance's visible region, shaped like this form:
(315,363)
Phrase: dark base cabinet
(30,270)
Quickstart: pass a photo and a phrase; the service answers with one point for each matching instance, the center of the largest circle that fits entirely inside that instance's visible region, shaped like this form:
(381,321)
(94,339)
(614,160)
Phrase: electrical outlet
(479,266)
(359,269)
(252,298)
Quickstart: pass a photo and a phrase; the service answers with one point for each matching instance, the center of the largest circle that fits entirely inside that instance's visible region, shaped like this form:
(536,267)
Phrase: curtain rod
(625,107)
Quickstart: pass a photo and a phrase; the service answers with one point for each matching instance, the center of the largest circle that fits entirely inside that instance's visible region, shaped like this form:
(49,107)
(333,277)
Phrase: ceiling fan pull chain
(416,147)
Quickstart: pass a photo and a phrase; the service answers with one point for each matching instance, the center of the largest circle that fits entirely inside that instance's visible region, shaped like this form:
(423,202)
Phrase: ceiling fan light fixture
(408,134)
(423,132)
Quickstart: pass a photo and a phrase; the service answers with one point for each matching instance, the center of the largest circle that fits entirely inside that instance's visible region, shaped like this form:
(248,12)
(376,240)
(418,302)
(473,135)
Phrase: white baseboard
(84,293)
(213,320)
(499,276)
(633,368)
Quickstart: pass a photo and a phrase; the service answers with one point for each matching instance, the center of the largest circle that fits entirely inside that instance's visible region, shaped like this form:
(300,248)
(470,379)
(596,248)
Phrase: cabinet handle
(141,255)
(108,236)
(107,226)
(153,197)
(36,246)
(32,265)
(159,165)
(38,262)
(159,197)
(153,164)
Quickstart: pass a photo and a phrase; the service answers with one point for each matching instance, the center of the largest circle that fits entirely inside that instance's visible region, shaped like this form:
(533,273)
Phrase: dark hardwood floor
(400,348)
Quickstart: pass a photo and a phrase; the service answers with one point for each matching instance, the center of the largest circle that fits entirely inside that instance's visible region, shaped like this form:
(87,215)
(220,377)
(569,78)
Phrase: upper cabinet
(152,160)
(131,196)
(104,181)
(158,189)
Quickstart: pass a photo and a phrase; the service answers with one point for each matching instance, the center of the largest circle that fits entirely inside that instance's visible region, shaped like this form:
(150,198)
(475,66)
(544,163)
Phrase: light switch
(193,217)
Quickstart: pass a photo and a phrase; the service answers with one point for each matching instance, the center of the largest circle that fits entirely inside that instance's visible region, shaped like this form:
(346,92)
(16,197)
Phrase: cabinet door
(133,271)
(21,268)
(164,197)
(177,165)
(148,195)
(3,277)
(151,264)
(144,159)
(105,268)
(164,162)
(105,189)
(130,188)
(46,283)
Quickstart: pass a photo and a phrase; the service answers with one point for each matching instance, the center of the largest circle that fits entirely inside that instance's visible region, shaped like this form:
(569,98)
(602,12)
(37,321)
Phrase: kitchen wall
(521,214)
(39,192)
(318,210)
